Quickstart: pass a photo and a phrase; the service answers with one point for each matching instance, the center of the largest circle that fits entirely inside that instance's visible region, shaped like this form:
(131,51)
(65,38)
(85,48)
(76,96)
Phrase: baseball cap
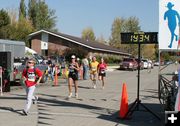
(73,56)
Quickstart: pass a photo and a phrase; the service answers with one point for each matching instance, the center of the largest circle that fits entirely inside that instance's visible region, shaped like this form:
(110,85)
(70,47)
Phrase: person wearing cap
(172,16)
(29,77)
(73,76)
(93,71)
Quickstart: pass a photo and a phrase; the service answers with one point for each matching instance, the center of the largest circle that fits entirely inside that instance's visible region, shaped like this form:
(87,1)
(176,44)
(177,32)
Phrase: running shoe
(94,86)
(25,112)
(103,87)
(76,95)
(35,100)
(70,95)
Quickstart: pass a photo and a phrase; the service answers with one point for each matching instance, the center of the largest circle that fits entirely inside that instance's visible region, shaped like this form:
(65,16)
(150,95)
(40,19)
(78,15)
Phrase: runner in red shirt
(102,71)
(29,77)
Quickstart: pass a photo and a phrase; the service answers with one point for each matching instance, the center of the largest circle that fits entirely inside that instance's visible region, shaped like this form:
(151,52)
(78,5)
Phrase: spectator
(49,61)
(50,72)
(85,64)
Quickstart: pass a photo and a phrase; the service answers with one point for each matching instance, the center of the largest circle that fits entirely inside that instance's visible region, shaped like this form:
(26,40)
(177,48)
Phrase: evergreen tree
(22,10)
(4,18)
(41,16)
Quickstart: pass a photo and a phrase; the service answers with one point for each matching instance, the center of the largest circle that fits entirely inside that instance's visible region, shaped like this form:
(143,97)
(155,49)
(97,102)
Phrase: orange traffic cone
(56,77)
(124,102)
(81,73)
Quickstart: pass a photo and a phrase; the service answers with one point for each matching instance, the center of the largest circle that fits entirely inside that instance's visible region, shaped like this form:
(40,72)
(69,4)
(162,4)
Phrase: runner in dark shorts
(73,76)
(102,71)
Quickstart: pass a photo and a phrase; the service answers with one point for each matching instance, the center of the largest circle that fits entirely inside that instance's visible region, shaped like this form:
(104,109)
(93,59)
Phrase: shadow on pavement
(84,87)
(13,97)
(139,118)
(12,110)
(43,123)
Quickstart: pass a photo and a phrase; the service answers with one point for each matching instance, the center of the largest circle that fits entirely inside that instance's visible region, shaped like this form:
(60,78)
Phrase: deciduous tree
(88,34)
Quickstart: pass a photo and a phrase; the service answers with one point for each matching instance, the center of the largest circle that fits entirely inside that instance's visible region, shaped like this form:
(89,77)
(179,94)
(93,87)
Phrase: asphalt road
(94,107)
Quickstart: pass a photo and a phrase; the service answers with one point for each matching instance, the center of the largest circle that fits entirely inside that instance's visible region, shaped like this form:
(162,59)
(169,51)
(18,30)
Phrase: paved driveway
(95,107)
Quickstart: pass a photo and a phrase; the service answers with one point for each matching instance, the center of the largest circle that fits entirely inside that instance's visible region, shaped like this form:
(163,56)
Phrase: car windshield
(17,60)
(37,56)
(144,60)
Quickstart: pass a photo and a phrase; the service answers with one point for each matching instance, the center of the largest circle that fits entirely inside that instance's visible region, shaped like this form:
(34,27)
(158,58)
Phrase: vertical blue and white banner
(44,41)
(169,20)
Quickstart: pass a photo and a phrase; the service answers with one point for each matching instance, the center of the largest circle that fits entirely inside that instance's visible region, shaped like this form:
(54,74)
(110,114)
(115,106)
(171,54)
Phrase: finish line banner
(169,20)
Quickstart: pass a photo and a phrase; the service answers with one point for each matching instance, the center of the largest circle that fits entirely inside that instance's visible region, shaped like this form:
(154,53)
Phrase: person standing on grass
(73,76)
(29,77)
(102,67)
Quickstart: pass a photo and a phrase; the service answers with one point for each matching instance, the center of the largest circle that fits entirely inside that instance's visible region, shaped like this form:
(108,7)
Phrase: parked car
(156,63)
(167,62)
(141,63)
(38,58)
(17,62)
(129,63)
(147,64)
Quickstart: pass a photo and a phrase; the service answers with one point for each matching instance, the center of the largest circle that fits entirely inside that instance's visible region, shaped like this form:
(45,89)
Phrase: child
(29,77)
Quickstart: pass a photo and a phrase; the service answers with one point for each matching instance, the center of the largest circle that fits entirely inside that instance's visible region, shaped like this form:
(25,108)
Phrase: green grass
(111,64)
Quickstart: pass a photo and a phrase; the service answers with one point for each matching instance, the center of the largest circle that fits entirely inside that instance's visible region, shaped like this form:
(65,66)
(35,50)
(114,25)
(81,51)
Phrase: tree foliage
(32,11)
(20,30)
(22,10)
(132,25)
(148,51)
(78,52)
(101,40)
(38,16)
(88,34)
(4,24)
(41,16)
(17,29)
(119,25)
(4,18)
(117,28)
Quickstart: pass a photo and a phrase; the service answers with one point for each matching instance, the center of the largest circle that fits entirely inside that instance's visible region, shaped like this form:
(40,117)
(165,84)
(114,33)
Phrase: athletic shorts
(102,74)
(74,76)
(93,72)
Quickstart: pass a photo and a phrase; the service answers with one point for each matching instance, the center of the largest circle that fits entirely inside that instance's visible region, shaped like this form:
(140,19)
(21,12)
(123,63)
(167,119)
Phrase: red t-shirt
(102,66)
(30,75)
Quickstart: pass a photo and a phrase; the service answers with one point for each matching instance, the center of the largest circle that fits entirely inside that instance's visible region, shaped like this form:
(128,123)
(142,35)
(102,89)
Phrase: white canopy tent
(28,50)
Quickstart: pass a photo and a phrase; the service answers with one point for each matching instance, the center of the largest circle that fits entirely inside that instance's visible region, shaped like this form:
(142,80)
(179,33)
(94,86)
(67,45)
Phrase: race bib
(93,68)
(31,76)
(102,71)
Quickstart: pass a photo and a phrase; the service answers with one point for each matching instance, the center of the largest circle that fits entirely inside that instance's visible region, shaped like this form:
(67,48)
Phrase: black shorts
(74,76)
(102,74)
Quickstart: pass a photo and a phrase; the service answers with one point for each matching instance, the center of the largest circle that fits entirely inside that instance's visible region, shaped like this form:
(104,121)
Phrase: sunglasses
(31,62)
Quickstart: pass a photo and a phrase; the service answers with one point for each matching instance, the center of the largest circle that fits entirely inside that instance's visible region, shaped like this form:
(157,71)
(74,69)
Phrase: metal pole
(1,80)
(138,79)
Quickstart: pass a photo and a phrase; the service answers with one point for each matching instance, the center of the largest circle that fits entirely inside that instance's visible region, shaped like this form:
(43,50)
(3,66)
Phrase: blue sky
(75,15)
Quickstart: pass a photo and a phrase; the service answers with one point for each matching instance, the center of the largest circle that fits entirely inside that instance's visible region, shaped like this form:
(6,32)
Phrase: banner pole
(1,81)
